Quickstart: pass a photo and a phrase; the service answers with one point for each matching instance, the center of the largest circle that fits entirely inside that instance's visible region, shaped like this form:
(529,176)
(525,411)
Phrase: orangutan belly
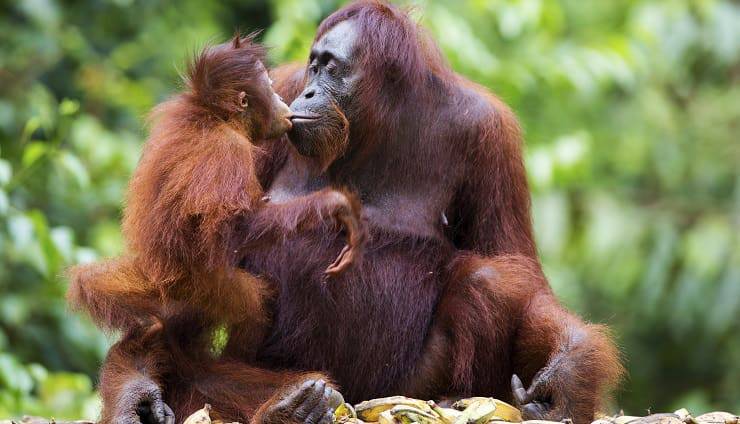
(366,328)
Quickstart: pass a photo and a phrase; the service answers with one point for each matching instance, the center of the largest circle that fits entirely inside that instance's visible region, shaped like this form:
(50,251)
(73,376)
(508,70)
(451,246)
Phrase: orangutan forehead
(339,41)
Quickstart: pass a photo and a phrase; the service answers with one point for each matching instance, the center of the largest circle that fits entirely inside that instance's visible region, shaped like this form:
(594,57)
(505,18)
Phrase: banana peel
(344,411)
(475,410)
(201,416)
(409,414)
(403,410)
(483,409)
(371,410)
(446,415)
(386,417)
(718,417)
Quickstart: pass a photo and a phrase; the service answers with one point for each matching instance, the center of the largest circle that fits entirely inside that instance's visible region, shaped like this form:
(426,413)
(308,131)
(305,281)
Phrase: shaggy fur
(449,299)
(194,205)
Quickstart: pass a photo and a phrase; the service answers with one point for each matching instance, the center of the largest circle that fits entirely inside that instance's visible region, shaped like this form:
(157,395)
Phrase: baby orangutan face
(279,114)
(229,82)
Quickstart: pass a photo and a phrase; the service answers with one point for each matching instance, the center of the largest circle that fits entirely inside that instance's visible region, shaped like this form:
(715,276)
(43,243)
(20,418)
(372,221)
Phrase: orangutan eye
(331,66)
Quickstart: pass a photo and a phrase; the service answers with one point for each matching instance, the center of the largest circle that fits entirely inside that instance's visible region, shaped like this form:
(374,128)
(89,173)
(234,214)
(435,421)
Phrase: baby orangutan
(194,196)
(192,199)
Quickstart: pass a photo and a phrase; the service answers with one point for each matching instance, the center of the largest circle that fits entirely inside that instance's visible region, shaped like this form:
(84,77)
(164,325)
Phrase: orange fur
(194,204)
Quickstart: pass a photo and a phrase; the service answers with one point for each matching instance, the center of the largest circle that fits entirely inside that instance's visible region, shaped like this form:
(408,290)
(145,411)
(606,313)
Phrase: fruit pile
(477,410)
(402,410)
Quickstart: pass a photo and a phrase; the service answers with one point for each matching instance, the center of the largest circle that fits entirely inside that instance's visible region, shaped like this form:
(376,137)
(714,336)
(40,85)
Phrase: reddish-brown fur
(449,299)
(194,204)
(194,194)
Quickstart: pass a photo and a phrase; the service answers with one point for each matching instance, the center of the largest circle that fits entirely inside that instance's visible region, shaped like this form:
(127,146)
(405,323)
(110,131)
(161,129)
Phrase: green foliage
(630,110)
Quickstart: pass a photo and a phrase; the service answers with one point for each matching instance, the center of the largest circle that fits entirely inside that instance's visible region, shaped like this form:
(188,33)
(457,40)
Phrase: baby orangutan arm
(339,209)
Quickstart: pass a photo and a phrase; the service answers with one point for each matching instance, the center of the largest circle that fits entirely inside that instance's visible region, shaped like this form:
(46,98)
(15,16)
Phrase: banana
(344,411)
(201,416)
(507,412)
(478,411)
(683,415)
(625,419)
(370,410)
(446,415)
(718,418)
(408,415)
(542,422)
(503,411)
(349,420)
(463,404)
(385,417)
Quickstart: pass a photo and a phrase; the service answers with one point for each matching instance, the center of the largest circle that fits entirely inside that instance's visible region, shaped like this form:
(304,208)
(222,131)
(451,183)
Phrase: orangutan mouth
(303,118)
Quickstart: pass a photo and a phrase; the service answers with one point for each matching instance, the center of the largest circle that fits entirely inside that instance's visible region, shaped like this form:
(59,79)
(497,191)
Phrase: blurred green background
(631,111)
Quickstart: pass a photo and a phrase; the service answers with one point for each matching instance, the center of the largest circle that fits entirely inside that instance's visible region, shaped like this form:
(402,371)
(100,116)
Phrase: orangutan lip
(303,118)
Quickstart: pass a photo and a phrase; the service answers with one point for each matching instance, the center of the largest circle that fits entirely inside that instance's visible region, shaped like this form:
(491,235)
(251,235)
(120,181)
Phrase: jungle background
(631,111)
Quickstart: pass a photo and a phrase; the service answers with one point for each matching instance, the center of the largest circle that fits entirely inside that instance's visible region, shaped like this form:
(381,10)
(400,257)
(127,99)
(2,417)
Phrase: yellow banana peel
(201,416)
(372,409)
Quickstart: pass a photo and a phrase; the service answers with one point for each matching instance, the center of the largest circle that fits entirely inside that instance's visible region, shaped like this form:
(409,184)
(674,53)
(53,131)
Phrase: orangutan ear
(243,103)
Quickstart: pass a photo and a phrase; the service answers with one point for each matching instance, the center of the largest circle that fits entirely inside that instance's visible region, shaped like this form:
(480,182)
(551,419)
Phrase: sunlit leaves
(67,395)
(75,168)
(630,114)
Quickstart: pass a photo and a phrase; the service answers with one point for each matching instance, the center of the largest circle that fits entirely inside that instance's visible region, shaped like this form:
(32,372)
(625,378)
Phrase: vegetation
(631,111)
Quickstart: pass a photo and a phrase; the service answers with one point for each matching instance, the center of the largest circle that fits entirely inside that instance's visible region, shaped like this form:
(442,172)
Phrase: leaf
(13,375)
(85,255)
(20,229)
(43,235)
(75,168)
(4,203)
(6,172)
(63,238)
(30,240)
(69,107)
(34,151)
(32,125)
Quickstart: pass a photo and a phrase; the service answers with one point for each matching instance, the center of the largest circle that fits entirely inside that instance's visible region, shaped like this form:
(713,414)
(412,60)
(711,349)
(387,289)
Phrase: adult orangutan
(449,299)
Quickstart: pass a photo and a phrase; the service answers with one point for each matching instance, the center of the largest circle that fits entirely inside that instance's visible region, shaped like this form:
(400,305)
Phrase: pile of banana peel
(476,410)
(403,410)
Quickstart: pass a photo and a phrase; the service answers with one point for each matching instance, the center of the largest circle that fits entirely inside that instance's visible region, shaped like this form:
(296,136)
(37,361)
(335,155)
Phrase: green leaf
(6,172)
(75,168)
(13,375)
(20,229)
(43,235)
(24,230)
(31,126)
(63,238)
(33,152)
(4,203)
(69,107)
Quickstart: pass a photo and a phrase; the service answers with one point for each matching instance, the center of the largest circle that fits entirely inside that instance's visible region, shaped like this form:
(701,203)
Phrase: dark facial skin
(318,112)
